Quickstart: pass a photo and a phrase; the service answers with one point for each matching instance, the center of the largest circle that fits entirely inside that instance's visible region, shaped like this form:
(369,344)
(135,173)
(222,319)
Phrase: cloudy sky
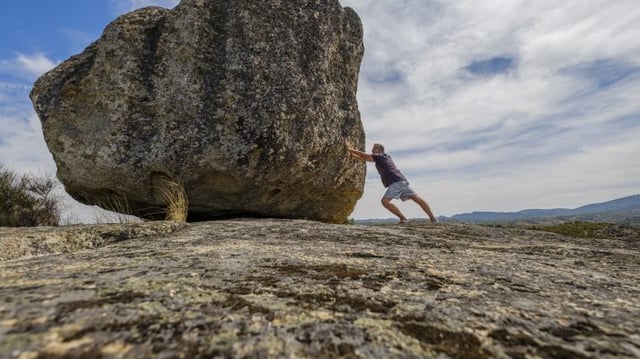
(484,105)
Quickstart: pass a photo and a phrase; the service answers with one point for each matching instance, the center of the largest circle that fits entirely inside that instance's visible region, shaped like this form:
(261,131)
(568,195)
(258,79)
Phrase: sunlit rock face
(243,102)
(281,288)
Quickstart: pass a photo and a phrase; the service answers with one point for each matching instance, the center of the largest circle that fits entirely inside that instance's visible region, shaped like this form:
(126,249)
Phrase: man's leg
(386,202)
(424,205)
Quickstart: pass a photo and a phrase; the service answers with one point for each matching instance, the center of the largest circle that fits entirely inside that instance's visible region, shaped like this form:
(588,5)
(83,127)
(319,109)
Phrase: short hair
(379,145)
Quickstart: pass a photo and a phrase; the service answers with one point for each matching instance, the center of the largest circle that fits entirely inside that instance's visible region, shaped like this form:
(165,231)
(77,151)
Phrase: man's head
(377,148)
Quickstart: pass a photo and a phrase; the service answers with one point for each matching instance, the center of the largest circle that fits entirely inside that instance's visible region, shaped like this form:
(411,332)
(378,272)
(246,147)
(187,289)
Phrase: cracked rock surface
(302,289)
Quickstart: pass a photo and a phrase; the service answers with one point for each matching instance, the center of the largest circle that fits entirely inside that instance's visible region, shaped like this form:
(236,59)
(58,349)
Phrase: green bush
(27,201)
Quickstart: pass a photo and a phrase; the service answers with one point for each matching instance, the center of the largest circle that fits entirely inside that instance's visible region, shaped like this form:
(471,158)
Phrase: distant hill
(621,210)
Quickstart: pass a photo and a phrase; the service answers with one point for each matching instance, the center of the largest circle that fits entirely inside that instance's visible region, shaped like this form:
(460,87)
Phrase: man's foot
(403,221)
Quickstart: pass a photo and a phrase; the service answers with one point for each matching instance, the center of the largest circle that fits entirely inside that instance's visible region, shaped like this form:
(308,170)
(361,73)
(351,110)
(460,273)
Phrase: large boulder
(245,103)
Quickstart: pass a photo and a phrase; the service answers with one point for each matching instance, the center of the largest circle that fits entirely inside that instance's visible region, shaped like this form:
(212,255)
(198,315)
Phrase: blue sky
(484,105)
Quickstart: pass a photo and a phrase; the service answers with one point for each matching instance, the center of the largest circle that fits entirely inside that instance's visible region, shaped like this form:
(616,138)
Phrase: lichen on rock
(302,289)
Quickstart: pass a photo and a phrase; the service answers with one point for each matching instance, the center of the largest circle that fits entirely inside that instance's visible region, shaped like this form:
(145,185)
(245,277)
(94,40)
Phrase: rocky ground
(299,289)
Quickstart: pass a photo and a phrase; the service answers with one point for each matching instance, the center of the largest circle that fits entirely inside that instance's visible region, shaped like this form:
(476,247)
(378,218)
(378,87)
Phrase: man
(395,182)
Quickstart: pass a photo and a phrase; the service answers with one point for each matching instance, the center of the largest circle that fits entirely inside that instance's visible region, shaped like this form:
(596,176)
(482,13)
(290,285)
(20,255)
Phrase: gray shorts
(399,190)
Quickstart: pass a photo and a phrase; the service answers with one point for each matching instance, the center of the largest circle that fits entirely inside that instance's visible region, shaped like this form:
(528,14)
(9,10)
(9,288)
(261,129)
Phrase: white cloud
(26,66)
(549,131)
(36,64)
(22,145)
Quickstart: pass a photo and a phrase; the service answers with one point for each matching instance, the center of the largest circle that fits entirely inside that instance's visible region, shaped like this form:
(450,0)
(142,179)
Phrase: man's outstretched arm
(362,156)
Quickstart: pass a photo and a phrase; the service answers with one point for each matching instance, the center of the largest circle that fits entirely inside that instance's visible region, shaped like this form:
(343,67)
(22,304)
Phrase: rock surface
(300,289)
(243,102)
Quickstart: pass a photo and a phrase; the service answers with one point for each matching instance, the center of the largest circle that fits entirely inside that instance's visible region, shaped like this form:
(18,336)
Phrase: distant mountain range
(626,209)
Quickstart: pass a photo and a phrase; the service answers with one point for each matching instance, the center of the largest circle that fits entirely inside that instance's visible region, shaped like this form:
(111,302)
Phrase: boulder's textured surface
(244,102)
(301,289)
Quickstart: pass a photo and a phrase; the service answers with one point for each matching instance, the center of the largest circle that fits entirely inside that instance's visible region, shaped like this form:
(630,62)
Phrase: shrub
(28,201)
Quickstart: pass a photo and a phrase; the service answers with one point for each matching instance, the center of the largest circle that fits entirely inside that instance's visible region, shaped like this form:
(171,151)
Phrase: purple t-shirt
(388,171)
